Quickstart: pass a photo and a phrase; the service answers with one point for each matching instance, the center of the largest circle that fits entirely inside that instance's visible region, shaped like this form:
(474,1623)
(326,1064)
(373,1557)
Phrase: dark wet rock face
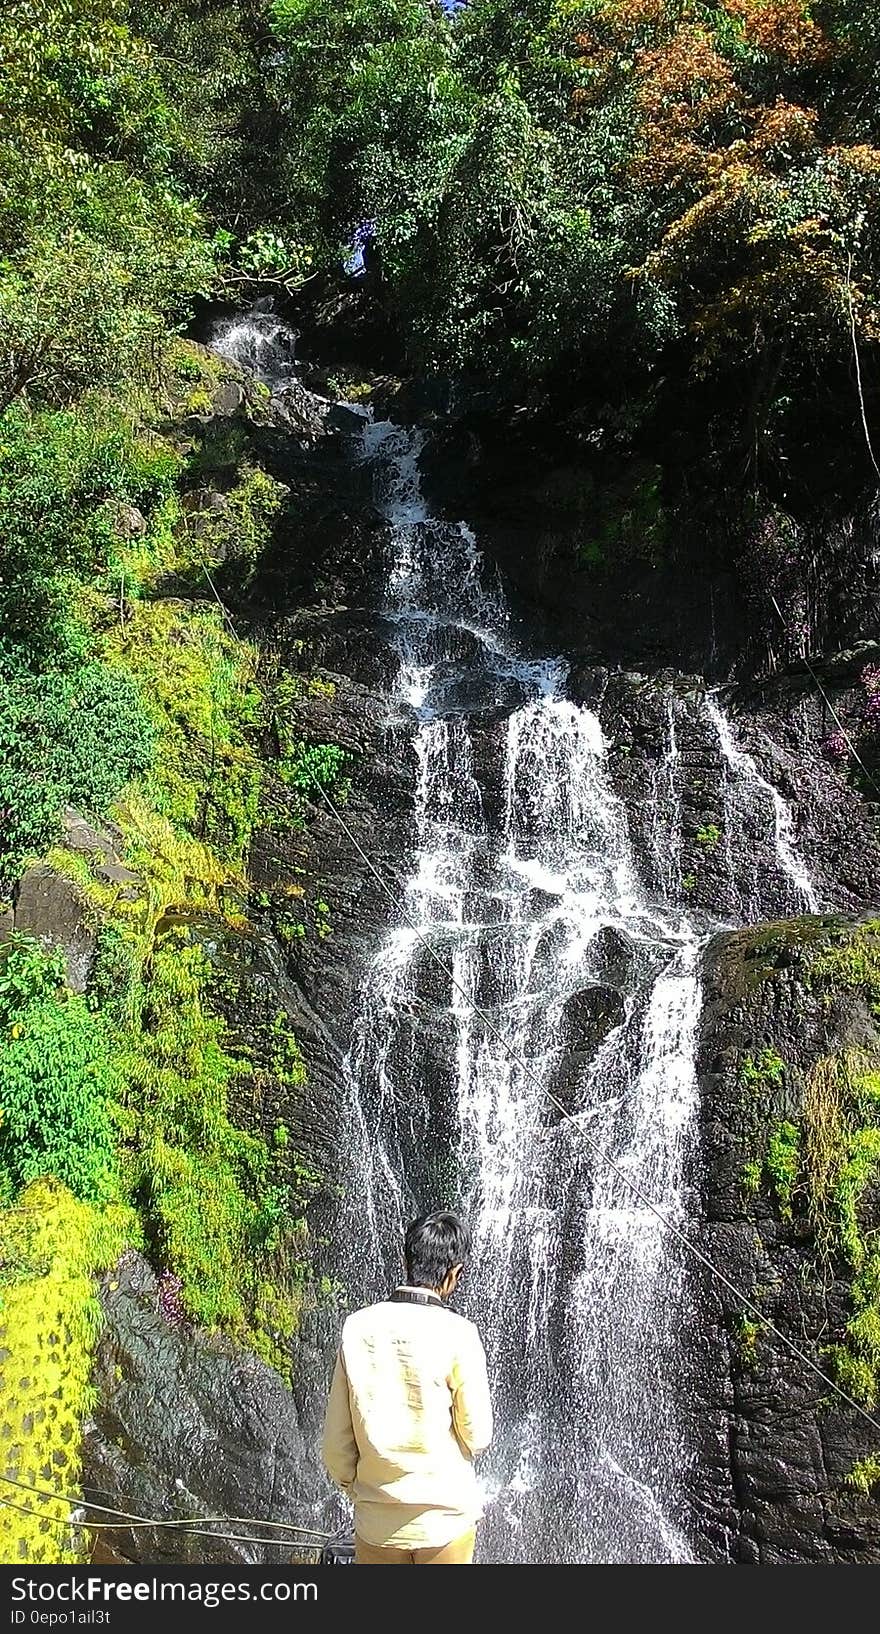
(186,1427)
(701,823)
(768,1026)
(588,1017)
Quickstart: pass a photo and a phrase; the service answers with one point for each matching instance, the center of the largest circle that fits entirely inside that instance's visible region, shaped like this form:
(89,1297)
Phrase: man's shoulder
(384,1311)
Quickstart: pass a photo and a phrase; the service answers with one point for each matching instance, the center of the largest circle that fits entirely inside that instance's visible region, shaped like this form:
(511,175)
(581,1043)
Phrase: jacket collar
(405,1293)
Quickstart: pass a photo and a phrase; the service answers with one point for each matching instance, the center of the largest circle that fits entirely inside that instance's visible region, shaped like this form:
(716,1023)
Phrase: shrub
(64,475)
(50,1247)
(197,684)
(56,1080)
(74,739)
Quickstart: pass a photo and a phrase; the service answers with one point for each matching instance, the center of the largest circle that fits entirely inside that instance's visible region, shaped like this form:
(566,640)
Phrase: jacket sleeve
(338,1447)
(471,1403)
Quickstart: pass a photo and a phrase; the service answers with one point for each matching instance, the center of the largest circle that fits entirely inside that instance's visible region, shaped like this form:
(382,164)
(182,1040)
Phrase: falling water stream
(523,881)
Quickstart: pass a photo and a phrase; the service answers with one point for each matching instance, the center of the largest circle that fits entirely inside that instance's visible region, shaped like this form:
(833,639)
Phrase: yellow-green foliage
(189,370)
(749,1333)
(175,872)
(243,528)
(50,1247)
(864,1475)
(211,1207)
(839,1171)
(826,1167)
(197,684)
(853,961)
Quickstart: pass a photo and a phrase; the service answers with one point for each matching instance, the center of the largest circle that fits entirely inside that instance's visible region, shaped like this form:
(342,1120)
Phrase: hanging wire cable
(128,1520)
(192,1531)
(859,384)
(397,898)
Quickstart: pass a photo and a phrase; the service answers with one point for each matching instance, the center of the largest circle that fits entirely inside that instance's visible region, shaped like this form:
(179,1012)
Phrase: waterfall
(666,831)
(746,791)
(575,1288)
(530,967)
(260,343)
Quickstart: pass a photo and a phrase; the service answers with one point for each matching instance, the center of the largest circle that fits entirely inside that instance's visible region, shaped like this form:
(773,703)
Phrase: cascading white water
(456,1068)
(531,968)
(259,342)
(744,790)
(572,1281)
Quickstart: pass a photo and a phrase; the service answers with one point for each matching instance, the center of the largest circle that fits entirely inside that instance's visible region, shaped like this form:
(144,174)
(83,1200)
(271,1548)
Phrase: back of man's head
(434,1246)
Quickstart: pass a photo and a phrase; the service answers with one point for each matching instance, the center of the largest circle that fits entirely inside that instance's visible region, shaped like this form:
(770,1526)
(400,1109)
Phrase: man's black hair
(433,1244)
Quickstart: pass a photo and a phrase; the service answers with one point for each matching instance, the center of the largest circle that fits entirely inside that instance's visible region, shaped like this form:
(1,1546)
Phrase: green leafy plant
(751,1177)
(57,1080)
(864,1475)
(767,1068)
(73,738)
(749,1332)
(308,767)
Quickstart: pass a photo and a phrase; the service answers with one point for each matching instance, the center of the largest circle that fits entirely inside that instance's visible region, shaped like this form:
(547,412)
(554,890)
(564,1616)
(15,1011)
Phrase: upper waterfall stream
(525,879)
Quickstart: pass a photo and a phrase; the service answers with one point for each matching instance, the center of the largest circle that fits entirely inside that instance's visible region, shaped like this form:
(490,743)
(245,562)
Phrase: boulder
(186,1425)
(52,909)
(588,1017)
(87,837)
(228,398)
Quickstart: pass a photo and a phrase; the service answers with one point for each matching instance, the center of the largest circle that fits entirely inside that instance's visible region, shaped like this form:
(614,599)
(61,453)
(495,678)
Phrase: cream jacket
(408,1411)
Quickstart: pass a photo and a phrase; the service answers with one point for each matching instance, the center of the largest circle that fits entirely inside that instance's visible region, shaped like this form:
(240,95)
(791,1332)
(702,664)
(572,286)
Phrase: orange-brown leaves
(685,80)
(686,94)
(627,24)
(783,135)
(781,28)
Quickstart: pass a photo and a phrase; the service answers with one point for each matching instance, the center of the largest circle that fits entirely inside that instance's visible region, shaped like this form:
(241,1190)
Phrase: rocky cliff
(789,1030)
(790,1076)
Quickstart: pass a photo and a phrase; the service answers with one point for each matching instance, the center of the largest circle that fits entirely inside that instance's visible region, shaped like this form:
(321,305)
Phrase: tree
(99,248)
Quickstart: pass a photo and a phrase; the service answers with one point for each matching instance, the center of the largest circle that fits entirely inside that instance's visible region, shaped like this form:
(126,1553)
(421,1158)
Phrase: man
(409,1410)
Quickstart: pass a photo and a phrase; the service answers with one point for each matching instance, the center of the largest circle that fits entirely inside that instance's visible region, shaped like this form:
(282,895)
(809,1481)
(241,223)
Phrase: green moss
(757,1072)
(189,372)
(197,684)
(239,531)
(751,1177)
(782,1163)
(839,1176)
(198,402)
(748,1333)
(210,1206)
(318,687)
(347,388)
(753,956)
(852,960)
(854,1375)
(286,1059)
(708,836)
